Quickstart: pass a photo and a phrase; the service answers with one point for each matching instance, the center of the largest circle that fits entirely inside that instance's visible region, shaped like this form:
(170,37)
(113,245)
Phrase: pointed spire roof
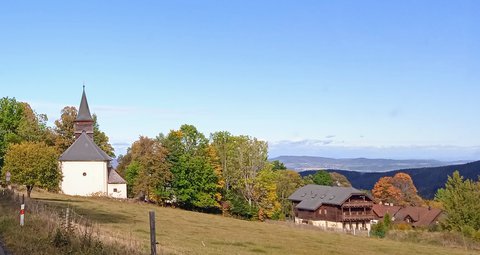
(84,111)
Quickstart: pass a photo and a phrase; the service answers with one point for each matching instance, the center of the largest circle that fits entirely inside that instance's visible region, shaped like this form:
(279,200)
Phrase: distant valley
(427,180)
(303,163)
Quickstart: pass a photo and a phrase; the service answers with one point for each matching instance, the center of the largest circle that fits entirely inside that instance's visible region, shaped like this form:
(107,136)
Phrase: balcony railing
(355,217)
(357,204)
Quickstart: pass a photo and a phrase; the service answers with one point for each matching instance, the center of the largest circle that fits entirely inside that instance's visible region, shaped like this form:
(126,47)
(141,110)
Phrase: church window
(84,174)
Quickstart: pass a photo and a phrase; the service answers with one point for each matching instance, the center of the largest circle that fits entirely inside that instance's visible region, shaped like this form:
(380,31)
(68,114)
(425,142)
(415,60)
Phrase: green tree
(123,162)
(241,158)
(250,159)
(340,180)
(18,123)
(277,165)
(148,172)
(288,181)
(223,143)
(33,126)
(131,175)
(195,182)
(461,202)
(11,113)
(33,164)
(265,195)
(387,221)
(307,180)
(322,177)
(379,230)
(64,128)
(101,139)
(65,132)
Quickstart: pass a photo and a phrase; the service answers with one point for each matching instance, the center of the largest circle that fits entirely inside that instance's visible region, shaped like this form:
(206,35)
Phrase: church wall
(121,190)
(84,178)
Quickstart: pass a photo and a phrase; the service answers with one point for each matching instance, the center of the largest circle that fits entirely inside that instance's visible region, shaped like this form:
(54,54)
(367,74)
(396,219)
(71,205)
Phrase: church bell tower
(84,120)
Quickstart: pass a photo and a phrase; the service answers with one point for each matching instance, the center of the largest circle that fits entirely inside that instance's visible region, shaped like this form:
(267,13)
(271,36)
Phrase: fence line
(318,228)
(66,218)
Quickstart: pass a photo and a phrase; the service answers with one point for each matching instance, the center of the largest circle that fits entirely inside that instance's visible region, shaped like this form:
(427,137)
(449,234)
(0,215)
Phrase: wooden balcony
(357,204)
(359,217)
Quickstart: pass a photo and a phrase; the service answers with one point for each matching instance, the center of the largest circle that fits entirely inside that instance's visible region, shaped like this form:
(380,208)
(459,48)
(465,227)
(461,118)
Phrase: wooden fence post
(67,220)
(153,239)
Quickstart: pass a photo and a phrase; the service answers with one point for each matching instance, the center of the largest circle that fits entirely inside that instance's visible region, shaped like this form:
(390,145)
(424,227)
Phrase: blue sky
(327,78)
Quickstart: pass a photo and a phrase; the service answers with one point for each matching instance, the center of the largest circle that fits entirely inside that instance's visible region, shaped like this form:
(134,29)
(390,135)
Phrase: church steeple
(84,111)
(84,120)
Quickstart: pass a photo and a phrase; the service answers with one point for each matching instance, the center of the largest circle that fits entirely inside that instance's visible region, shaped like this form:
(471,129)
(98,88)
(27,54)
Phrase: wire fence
(68,220)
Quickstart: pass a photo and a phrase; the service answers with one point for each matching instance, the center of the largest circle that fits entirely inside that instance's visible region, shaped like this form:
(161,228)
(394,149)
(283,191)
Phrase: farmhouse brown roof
(312,196)
(381,210)
(84,149)
(420,216)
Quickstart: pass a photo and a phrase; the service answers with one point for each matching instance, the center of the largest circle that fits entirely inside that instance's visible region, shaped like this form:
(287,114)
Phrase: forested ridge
(427,180)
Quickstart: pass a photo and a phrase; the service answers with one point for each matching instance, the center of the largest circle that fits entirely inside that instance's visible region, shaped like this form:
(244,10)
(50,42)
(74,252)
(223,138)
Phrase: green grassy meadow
(185,232)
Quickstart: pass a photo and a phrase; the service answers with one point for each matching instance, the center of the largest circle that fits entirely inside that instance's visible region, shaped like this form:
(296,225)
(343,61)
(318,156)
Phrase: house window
(84,174)
(325,211)
(115,190)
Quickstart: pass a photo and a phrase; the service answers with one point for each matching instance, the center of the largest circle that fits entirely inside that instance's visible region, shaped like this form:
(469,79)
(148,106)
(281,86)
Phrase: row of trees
(222,173)
(29,149)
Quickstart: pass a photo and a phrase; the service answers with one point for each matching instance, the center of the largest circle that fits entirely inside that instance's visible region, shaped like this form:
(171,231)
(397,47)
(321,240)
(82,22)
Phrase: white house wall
(75,183)
(121,190)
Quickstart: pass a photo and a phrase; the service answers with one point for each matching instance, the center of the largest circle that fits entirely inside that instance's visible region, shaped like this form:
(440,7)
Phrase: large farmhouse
(332,207)
(85,167)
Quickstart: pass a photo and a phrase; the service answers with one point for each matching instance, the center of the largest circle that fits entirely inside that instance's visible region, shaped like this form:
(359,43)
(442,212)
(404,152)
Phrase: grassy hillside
(184,232)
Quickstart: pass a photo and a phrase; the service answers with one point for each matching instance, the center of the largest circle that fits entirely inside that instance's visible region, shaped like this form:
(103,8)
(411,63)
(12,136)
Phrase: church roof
(84,149)
(115,178)
(84,110)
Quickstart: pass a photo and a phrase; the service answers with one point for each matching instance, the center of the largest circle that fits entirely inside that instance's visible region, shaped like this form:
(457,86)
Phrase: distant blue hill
(427,180)
(302,163)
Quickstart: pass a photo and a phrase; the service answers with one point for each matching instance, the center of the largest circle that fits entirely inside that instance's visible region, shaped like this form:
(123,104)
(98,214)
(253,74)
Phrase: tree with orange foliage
(385,192)
(398,189)
(408,190)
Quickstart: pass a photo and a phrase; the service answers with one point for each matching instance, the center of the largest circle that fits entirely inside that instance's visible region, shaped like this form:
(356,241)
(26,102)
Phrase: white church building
(86,168)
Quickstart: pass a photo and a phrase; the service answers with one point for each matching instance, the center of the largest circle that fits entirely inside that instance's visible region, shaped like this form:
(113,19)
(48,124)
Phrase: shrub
(403,226)
(379,230)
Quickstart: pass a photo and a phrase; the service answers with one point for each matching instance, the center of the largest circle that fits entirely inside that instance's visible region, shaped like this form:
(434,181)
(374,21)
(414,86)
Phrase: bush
(403,226)
(379,230)
(239,207)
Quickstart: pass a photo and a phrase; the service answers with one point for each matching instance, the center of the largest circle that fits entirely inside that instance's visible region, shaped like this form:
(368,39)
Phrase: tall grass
(47,230)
